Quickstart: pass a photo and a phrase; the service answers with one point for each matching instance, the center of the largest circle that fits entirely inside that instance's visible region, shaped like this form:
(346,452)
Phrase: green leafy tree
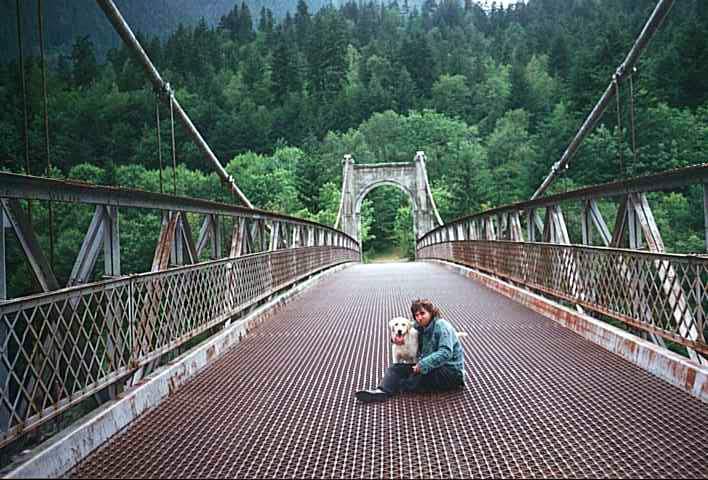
(403,232)
(452,96)
(543,88)
(510,151)
(493,95)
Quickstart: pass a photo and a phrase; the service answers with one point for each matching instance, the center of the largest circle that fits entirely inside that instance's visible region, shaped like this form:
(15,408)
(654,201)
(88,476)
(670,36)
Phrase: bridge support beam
(705,212)
(3,268)
(25,234)
(210,234)
(111,243)
(4,372)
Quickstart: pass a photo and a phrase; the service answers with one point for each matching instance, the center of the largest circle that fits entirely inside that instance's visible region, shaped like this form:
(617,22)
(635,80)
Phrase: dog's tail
(462,334)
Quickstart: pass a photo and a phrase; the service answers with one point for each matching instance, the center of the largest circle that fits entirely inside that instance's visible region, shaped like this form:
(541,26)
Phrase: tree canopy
(492,97)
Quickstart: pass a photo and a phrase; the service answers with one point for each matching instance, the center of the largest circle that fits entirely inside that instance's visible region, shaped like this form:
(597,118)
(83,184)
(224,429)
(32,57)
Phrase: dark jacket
(439,346)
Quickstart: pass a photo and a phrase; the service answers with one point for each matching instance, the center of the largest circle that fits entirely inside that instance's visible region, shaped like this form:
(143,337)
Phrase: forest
(492,95)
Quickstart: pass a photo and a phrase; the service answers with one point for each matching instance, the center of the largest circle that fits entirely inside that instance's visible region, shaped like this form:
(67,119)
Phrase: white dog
(404,340)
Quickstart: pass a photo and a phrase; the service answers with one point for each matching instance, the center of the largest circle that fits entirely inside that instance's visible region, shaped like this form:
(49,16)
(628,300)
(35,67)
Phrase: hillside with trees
(492,96)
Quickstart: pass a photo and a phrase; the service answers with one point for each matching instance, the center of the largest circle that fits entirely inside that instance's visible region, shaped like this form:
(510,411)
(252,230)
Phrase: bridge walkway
(540,401)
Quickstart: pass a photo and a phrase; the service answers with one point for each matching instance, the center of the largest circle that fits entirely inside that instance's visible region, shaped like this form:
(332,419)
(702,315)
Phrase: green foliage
(443,200)
(492,97)
(268,181)
(510,152)
(452,96)
(403,232)
(330,196)
(379,215)
(494,93)
(84,62)
(680,228)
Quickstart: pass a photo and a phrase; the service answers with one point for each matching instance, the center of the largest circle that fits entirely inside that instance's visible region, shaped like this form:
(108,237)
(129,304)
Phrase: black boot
(375,395)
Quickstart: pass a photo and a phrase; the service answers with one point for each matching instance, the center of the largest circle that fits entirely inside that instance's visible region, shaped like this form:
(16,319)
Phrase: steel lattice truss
(628,277)
(663,294)
(63,345)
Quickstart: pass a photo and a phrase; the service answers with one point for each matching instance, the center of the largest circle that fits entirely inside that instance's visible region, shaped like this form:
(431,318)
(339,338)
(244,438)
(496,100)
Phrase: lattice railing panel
(60,347)
(661,293)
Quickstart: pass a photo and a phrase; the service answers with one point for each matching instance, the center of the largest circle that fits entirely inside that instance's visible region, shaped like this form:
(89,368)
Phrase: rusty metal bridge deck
(539,401)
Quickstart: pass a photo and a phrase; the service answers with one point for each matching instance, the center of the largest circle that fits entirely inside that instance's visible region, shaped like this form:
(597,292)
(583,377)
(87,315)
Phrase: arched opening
(386,222)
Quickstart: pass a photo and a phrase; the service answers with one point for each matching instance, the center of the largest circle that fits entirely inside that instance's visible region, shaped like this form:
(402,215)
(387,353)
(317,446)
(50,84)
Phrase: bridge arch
(411,178)
(386,183)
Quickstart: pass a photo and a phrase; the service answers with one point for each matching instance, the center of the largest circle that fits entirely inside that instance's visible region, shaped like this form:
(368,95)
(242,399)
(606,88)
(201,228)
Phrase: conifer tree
(302,22)
(285,77)
(84,68)
(229,22)
(244,31)
(262,20)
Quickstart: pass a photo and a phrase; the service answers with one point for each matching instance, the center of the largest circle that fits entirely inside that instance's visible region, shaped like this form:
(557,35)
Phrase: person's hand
(416,368)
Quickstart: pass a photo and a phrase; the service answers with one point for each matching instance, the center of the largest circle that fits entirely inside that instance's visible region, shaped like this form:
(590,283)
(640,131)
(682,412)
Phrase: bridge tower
(412,178)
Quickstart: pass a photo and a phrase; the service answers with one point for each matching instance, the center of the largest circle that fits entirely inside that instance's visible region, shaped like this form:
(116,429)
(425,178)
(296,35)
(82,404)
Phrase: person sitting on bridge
(440,364)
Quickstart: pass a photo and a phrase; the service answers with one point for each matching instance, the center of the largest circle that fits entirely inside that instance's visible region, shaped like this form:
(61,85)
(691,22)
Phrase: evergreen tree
(417,57)
(84,67)
(229,22)
(285,75)
(302,22)
(244,28)
(326,52)
(428,13)
(269,22)
(262,20)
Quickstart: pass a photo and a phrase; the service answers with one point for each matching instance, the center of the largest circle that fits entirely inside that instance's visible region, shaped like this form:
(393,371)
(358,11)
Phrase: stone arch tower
(412,178)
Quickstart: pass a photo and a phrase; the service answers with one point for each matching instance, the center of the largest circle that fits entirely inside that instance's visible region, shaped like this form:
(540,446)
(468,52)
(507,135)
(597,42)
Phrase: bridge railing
(629,278)
(60,347)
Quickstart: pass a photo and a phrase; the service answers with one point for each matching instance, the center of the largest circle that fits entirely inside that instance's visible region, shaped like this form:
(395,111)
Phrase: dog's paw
(462,334)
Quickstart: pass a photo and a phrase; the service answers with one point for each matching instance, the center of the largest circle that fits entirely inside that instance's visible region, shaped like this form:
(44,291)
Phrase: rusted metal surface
(669,180)
(539,400)
(73,191)
(60,347)
(605,280)
(659,361)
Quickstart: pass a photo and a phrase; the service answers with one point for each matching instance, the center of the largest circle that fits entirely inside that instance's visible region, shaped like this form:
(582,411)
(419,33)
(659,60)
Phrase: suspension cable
(40,24)
(159,140)
(120,25)
(23,87)
(174,150)
(631,119)
(619,124)
(660,12)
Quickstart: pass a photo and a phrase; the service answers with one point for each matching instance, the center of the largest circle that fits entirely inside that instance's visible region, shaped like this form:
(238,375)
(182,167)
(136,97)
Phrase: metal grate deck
(540,401)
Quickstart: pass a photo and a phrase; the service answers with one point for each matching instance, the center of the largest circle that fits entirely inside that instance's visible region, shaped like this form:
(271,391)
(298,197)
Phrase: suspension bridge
(584,356)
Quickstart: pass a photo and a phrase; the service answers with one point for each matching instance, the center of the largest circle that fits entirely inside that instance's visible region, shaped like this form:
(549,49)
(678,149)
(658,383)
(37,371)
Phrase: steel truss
(74,340)
(628,276)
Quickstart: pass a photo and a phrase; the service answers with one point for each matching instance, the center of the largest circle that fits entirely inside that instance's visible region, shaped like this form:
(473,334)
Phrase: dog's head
(399,327)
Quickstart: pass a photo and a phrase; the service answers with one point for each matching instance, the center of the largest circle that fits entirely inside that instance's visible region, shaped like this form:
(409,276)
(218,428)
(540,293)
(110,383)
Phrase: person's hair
(424,304)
